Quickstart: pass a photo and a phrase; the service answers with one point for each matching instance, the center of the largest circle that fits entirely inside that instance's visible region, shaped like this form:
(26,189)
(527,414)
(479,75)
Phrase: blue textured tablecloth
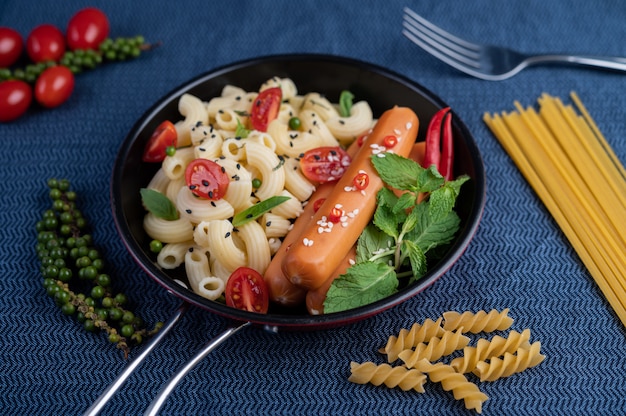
(519,258)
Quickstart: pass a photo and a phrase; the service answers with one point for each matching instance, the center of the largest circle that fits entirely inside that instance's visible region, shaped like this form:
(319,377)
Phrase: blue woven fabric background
(518,259)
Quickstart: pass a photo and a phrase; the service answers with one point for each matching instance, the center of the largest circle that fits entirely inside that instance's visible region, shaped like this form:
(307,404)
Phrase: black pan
(328,75)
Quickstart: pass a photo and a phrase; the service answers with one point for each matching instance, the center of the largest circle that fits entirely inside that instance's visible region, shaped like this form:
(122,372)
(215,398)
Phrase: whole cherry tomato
(164,136)
(15,98)
(324,164)
(54,86)
(11,45)
(265,108)
(246,289)
(87,29)
(206,179)
(45,43)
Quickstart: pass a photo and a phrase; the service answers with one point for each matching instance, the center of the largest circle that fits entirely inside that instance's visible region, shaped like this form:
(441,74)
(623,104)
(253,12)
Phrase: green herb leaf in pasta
(345,103)
(158,204)
(258,209)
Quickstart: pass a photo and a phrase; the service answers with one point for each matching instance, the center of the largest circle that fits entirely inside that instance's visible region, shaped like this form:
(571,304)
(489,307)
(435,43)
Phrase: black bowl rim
(274,321)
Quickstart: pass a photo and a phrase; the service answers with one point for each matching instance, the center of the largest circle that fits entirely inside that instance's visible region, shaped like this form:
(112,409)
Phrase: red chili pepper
(439,147)
(447,149)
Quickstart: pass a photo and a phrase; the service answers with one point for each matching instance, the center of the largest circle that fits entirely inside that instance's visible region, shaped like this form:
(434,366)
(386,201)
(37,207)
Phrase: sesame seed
(188,211)
(227,234)
(307,242)
(397,132)
(409,125)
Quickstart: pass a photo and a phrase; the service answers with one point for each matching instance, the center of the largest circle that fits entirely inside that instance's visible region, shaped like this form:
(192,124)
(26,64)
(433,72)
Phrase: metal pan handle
(160,399)
(104,398)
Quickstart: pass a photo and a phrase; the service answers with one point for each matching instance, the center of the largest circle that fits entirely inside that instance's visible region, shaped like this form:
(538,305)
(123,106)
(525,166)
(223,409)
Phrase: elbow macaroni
(203,239)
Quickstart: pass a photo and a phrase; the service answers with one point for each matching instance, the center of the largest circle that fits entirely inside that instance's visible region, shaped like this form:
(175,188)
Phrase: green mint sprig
(404,229)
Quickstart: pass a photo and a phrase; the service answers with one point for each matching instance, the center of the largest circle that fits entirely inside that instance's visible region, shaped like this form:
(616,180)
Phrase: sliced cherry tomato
(45,43)
(11,45)
(15,98)
(163,137)
(54,86)
(87,29)
(390,141)
(361,180)
(247,290)
(265,108)
(206,179)
(325,164)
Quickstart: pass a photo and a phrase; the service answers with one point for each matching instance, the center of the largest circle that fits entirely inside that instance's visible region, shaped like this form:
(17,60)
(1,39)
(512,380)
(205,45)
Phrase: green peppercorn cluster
(74,272)
(79,60)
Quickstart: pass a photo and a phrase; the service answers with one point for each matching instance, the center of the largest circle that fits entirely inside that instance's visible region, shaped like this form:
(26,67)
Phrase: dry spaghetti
(580,180)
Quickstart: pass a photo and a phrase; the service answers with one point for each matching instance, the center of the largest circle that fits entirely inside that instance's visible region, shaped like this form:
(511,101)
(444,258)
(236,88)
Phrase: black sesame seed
(227,235)
(188,211)
(213,204)
(192,187)
(205,182)
(268,224)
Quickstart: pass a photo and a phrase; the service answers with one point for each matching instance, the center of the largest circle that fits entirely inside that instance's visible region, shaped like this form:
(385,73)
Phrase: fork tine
(442,34)
(450,49)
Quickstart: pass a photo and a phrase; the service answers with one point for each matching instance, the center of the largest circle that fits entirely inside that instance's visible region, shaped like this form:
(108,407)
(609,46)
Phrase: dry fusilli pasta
(486,349)
(410,338)
(456,382)
(480,321)
(510,363)
(368,372)
(436,348)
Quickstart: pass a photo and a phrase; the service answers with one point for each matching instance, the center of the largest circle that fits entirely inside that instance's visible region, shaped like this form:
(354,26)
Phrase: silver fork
(492,63)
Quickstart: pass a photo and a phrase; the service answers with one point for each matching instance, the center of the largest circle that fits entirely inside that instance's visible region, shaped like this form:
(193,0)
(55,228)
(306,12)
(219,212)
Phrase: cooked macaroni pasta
(203,238)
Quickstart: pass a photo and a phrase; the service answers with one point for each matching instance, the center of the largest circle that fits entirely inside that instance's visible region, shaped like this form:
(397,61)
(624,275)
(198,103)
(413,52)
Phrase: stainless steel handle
(104,398)
(160,399)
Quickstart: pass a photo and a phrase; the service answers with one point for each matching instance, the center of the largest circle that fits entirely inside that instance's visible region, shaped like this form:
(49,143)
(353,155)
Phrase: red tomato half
(164,135)
(265,108)
(45,43)
(54,86)
(11,45)
(325,164)
(87,29)
(15,98)
(247,290)
(206,179)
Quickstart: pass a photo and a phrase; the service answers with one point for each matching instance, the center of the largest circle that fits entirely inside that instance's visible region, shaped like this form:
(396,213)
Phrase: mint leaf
(371,243)
(345,103)
(158,204)
(241,130)
(362,284)
(406,201)
(397,171)
(384,217)
(442,200)
(430,232)
(429,179)
(417,259)
(411,221)
(258,209)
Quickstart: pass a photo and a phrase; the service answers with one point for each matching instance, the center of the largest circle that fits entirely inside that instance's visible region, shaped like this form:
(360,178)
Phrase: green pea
(295,123)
